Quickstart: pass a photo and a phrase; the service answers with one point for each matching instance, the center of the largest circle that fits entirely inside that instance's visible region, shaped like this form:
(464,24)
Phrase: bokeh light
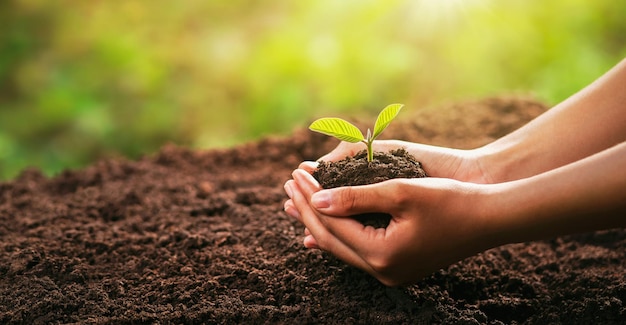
(85,80)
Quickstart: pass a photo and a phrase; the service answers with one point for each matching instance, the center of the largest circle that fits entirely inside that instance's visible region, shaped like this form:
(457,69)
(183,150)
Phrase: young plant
(346,131)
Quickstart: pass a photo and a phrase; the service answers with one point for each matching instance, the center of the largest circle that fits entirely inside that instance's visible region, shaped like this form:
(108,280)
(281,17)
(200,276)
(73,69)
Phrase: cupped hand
(463,165)
(435,222)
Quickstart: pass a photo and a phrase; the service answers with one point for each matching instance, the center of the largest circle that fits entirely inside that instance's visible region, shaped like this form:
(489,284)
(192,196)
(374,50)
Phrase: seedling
(346,131)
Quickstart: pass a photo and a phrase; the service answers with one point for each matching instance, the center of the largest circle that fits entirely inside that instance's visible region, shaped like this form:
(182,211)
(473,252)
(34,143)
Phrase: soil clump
(352,171)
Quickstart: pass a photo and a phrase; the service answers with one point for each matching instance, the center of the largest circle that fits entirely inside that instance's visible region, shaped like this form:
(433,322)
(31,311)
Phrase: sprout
(346,131)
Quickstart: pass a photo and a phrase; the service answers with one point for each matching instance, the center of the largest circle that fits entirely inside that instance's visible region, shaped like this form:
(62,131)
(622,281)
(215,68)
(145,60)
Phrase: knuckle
(323,242)
(389,282)
(350,198)
(401,192)
(385,269)
(380,265)
(350,148)
(309,166)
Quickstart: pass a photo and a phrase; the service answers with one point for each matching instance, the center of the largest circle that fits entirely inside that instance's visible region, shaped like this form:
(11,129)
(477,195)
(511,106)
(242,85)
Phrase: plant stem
(370,152)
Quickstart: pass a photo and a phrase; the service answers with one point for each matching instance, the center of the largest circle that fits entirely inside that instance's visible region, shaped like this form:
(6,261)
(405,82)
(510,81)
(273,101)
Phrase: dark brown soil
(188,236)
(358,171)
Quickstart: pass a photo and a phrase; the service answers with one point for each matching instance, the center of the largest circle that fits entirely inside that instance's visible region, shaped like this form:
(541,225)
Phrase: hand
(433,224)
(463,165)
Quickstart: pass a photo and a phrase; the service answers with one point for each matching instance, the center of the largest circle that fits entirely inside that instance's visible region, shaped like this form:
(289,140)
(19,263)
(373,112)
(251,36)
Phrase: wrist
(503,161)
(478,220)
(498,215)
(513,212)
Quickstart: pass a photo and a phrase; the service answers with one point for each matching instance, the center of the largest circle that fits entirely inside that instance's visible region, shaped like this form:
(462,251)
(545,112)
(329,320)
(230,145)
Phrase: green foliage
(384,118)
(84,80)
(338,128)
(346,131)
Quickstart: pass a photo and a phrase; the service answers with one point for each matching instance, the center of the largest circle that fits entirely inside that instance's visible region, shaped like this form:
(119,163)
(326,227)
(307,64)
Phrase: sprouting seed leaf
(385,117)
(338,128)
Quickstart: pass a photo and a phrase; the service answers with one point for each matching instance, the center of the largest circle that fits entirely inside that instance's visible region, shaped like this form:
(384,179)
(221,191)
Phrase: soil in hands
(352,171)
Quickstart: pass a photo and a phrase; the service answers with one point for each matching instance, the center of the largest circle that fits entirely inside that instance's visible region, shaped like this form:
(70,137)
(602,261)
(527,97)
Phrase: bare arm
(587,195)
(588,122)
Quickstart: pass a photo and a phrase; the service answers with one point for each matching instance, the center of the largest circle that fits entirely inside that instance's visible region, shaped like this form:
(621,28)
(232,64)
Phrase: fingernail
(309,242)
(292,212)
(320,200)
(288,190)
(310,164)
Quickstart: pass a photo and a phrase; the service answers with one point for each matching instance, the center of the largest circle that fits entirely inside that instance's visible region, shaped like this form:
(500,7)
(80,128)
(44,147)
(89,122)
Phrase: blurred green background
(83,80)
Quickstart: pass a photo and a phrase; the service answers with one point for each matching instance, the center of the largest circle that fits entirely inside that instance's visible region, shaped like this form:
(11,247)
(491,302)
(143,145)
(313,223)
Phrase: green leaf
(338,128)
(385,117)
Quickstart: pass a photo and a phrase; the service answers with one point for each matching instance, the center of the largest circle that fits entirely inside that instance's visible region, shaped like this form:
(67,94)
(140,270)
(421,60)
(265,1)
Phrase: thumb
(343,150)
(351,200)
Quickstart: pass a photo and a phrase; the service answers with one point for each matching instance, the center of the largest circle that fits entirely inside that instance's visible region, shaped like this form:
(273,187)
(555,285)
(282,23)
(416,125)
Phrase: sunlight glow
(444,12)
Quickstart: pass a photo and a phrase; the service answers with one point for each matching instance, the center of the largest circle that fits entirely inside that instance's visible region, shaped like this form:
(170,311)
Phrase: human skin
(562,173)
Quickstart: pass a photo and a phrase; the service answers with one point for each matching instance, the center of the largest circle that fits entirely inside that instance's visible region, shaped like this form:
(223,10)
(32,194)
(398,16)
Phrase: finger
(291,210)
(309,166)
(352,200)
(366,241)
(288,187)
(347,149)
(362,245)
(310,242)
(323,238)
(343,150)
(305,181)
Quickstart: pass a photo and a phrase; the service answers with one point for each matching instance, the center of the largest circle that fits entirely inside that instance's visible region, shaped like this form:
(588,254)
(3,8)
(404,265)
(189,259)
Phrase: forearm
(588,122)
(587,195)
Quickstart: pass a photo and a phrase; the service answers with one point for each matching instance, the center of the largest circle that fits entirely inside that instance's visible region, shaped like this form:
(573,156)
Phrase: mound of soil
(189,236)
(357,170)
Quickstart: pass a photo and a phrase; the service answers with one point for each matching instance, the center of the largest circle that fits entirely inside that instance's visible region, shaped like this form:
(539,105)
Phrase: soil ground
(186,236)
